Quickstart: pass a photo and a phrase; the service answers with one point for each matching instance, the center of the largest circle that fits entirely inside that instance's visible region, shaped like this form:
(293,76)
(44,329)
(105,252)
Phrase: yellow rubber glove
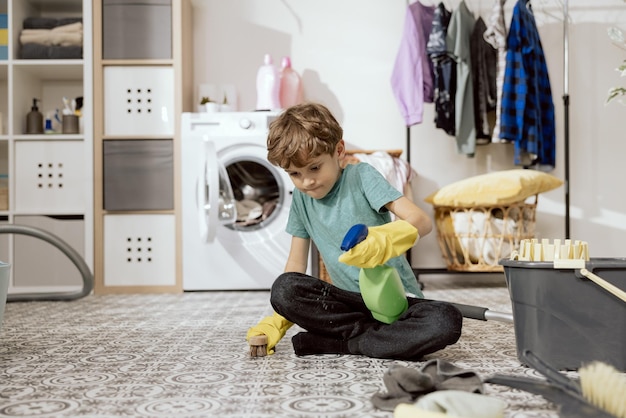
(274,327)
(382,243)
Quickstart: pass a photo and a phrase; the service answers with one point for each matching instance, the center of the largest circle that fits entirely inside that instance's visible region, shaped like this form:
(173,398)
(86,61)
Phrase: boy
(306,141)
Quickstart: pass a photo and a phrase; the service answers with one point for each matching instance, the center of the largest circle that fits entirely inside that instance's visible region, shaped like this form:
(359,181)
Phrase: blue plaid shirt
(527,108)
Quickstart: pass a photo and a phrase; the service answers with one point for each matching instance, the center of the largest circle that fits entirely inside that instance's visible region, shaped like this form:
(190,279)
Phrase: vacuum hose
(70,252)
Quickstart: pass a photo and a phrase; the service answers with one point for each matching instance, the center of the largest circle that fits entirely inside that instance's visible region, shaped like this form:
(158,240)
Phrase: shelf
(134,137)
(50,70)
(138,79)
(55,6)
(49,137)
(50,213)
(49,177)
(127,62)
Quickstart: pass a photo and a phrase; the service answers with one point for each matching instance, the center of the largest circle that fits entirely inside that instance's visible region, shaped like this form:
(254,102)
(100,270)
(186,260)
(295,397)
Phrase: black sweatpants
(338,321)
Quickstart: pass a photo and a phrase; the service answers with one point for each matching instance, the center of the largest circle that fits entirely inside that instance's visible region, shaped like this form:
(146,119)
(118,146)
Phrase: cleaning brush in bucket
(600,392)
(603,386)
(566,255)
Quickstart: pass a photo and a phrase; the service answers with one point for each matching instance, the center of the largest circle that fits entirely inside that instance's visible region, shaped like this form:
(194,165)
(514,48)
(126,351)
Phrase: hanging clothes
(483,82)
(495,35)
(444,71)
(527,106)
(412,74)
(458,44)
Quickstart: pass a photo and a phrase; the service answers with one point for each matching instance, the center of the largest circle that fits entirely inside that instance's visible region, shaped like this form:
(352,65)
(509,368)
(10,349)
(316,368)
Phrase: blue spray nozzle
(355,234)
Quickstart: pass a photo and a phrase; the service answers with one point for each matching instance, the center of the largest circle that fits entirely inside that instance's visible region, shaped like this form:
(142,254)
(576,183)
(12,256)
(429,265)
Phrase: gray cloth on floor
(405,385)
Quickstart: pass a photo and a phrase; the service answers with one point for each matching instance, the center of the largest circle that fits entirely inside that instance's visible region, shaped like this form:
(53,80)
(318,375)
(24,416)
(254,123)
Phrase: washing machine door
(261,191)
(215,197)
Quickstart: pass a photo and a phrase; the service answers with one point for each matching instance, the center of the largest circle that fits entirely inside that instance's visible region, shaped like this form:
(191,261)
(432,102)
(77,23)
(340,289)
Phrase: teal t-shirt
(358,197)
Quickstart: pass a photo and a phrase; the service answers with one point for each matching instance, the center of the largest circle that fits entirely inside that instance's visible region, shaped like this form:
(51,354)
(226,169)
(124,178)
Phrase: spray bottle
(381,287)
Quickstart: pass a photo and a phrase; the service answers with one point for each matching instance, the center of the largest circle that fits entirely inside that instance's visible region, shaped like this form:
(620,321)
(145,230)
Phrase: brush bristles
(604,387)
(258,346)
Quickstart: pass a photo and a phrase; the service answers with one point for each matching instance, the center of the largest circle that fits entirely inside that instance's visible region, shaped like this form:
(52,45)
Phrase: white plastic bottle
(267,86)
(290,85)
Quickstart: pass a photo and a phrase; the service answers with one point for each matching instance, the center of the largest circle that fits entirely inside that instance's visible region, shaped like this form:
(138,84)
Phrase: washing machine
(235,204)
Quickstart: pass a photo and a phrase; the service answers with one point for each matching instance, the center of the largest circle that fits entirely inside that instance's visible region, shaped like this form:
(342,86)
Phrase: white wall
(344,51)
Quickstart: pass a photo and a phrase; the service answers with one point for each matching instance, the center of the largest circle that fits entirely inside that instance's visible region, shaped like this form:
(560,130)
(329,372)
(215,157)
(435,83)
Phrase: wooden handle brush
(268,331)
(258,346)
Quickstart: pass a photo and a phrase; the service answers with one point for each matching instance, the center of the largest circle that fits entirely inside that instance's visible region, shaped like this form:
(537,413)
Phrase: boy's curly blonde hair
(300,133)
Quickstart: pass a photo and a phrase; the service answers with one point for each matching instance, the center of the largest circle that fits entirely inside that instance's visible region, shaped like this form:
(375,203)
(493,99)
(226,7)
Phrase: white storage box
(50,177)
(139,100)
(139,250)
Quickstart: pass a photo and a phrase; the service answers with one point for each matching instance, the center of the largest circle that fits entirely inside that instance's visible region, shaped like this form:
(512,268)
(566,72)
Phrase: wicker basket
(476,238)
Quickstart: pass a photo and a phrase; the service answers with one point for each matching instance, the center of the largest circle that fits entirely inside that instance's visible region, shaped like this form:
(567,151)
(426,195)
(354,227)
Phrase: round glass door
(257,191)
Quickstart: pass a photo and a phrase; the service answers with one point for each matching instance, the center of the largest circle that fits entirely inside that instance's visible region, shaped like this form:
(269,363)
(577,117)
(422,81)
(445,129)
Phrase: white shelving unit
(49,177)
(142,84)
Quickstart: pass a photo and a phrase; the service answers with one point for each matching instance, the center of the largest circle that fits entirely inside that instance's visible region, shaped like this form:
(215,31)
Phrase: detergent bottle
(290,85)
(267,85)
(381,287)
(34,120)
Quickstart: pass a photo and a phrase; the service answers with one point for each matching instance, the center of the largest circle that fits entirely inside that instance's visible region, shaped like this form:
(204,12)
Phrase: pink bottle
(290,85)
(267,86)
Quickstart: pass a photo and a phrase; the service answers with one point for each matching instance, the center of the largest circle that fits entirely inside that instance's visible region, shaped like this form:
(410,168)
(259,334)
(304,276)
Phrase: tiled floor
(186,356)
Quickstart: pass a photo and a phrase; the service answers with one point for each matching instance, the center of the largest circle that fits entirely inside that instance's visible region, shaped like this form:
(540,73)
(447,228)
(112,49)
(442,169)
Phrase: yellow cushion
(495,189)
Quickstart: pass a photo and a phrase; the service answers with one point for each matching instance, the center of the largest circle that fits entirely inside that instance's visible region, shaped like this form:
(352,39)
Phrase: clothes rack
(566,141)
(566,133)
(566,112)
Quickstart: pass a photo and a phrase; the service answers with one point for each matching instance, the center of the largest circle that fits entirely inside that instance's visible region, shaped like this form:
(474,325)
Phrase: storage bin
(139,100)
(475,239)
(139,250)
(50,176)
(53,271)
(137,30)
(138,174)
(567,320)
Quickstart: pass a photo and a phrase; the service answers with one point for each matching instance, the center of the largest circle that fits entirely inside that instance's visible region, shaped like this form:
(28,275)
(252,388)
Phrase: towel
(452,403)
(66,35)
(405,385)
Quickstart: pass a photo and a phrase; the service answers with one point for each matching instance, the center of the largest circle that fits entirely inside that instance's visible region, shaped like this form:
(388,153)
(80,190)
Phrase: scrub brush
(603,386)
(258,346)
(264,336)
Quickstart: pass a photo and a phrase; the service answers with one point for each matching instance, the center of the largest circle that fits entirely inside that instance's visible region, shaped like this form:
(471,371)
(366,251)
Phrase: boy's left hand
(382,243)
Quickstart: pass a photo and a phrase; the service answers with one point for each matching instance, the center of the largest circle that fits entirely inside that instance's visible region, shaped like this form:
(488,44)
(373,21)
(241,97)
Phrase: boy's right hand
(382,243)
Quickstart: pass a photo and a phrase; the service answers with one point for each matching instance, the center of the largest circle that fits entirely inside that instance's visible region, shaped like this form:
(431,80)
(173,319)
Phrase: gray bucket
(566,319)
(5,269)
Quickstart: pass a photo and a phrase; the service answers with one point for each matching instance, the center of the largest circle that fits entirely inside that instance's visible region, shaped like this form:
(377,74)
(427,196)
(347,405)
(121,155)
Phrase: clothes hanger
(541,8)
